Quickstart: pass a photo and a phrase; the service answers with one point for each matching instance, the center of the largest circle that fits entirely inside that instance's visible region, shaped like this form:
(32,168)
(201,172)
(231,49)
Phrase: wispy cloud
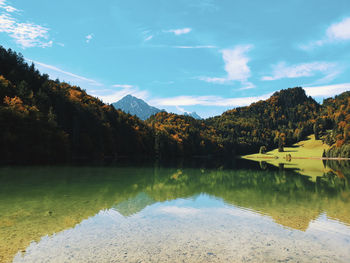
(180,109)
(180,31)
(25,34)
(64,75)
(236,67)
(337,32)
(247,85)
(109,94)
(148,38)
(282,70)
(147,35)
(89,37)
(7,8)
(327,90)
(207,101)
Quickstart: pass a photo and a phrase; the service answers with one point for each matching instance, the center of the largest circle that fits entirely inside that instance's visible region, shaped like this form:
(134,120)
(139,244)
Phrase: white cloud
(327,90)
(207,101)
(236,67)
(148,38)
(180,31)
(337,32)
(64,75)
(282,70)
(25,34)
(30,35)
(89,37)
(236,63)
(7,23)
(214,80)
(247,85)
(8,8)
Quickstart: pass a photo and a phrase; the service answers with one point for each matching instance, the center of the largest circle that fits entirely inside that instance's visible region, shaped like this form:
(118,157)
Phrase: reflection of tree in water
(263,165)
(41,201)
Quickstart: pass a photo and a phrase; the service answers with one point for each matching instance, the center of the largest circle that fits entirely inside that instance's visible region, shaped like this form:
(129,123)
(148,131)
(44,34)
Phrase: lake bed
(173,214)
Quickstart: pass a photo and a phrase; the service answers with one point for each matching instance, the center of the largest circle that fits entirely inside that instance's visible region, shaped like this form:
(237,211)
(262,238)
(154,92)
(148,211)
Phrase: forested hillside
(180,135)
(283,119)
(44,120)
(333,125)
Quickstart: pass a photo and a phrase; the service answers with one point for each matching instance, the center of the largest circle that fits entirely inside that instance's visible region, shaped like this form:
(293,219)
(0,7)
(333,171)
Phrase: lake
(198,212)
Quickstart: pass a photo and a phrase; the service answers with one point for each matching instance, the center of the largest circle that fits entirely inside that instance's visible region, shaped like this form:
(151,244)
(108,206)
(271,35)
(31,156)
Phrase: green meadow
(305,157)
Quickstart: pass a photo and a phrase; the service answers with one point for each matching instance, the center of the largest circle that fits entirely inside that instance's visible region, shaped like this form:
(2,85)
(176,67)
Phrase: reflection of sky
(191,229)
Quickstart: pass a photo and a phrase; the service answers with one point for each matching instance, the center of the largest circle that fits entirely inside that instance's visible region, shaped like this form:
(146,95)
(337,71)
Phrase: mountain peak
(135,106)
(193,115)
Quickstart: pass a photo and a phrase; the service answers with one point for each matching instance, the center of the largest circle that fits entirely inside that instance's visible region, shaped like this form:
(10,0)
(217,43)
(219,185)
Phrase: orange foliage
(75,95)
(15,103)
(339,143)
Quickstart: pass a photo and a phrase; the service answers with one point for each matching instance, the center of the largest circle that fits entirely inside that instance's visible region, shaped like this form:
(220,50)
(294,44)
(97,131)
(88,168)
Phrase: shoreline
(307,158)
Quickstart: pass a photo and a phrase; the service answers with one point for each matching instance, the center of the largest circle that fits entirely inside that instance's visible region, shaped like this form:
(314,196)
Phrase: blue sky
(186,55)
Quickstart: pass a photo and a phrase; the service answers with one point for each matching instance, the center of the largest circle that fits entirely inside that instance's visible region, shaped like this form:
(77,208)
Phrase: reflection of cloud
(239,212)
(179,211)
(324,224)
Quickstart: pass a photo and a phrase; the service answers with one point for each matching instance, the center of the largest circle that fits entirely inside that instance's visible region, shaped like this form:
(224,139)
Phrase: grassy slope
(300,152)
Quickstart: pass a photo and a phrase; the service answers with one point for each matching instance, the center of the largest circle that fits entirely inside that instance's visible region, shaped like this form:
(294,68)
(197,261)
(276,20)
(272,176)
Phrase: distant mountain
(193,115)
(135,106)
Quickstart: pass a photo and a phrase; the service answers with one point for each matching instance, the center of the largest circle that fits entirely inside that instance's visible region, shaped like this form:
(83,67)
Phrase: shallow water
(239,213)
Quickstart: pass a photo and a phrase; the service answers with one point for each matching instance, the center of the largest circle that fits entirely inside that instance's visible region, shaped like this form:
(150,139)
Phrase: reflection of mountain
(36,202)
(41,201)
(134,205)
